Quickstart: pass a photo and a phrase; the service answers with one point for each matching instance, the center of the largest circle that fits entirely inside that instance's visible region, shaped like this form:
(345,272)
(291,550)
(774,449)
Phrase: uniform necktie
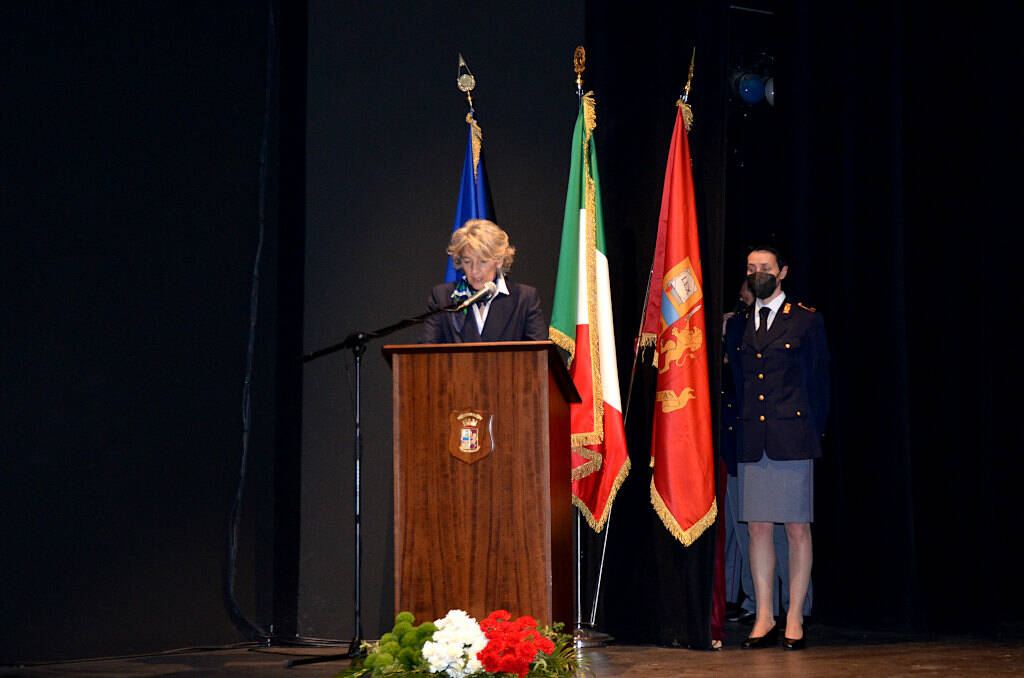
(762,329)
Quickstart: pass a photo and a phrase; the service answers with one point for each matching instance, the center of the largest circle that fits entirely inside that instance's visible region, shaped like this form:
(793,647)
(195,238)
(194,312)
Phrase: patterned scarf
(461,293)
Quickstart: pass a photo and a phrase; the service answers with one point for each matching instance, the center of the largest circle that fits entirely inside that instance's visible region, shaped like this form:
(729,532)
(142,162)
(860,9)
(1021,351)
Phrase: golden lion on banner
(687,342)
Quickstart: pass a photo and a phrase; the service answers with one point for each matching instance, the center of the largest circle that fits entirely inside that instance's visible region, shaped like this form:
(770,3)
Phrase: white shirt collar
(775,304)
(500,282)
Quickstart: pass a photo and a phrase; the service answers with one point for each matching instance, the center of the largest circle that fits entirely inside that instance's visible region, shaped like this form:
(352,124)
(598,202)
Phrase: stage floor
(831,652)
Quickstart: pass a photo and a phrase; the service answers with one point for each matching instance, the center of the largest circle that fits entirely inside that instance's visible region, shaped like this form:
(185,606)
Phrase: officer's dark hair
(779,259)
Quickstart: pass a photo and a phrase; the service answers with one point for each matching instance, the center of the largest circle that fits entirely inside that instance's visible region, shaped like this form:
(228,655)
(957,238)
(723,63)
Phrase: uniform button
(761,417)
(798,413)
(730,428)
(758,355)
(787,345)
(760,376)
(760,397)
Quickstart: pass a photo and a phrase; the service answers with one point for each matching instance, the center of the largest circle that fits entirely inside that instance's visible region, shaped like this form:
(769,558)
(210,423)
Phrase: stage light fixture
(751,87)
(754,80)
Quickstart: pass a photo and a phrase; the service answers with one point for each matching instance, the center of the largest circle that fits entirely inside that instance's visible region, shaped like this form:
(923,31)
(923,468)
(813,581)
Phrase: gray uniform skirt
(776,491)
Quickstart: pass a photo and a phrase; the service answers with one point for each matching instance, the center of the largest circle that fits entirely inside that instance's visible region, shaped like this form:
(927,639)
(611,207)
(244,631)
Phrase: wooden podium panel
(489,528)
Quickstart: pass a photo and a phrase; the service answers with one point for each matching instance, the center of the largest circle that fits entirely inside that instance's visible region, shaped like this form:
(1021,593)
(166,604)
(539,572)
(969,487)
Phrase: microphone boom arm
(360,339)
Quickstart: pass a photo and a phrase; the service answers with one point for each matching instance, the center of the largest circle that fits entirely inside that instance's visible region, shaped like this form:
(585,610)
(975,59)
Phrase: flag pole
(579,59)
(625,419)
(586,635)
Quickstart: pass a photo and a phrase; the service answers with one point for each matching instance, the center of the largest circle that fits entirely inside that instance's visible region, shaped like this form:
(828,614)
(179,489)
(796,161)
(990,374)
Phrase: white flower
(454,646)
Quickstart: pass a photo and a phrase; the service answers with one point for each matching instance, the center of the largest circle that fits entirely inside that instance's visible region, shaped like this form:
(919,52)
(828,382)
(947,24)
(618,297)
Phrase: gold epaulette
(807,308)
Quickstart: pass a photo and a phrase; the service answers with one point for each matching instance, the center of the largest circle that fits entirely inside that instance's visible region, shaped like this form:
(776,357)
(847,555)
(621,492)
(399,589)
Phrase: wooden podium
(483,509)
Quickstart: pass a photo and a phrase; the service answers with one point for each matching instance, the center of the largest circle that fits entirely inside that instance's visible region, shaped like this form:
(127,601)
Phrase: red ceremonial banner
(682,452)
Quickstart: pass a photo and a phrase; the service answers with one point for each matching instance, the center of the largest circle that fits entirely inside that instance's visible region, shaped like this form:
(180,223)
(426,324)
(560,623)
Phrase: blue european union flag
(474,193)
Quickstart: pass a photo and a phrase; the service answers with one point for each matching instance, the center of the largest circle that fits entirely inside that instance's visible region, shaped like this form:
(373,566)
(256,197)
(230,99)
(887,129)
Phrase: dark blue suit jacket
(783,385)
(515,316)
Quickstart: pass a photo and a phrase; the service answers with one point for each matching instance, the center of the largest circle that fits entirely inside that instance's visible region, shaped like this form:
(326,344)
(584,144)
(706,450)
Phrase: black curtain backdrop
(128,231)
(887,170)
(887,194)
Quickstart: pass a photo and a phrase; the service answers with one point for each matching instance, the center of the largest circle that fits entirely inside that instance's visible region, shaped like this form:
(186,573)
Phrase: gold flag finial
(466,81)
(684,98)
(689,77)
(579,64)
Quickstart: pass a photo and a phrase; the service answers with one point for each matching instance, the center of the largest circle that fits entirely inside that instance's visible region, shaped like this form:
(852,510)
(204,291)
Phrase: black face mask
(762,284)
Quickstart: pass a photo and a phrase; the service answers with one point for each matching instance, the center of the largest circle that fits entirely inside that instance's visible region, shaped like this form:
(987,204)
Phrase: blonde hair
(486,239)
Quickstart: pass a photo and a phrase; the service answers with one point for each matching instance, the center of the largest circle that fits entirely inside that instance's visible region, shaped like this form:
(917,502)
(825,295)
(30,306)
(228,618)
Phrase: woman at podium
(481,254)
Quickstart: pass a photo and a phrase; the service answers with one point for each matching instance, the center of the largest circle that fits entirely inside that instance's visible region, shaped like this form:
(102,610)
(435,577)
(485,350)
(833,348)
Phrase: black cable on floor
(246,627)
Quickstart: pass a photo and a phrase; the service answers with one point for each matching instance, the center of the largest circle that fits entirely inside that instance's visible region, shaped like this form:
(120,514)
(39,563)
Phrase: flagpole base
(586,635)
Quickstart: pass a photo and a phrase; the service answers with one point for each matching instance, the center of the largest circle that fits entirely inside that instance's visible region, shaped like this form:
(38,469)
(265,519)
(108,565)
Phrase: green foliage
(564,661)
(356,671)
(401,628)
(426,629)
(408,656)
(387,638)
(405,617)
(411,638)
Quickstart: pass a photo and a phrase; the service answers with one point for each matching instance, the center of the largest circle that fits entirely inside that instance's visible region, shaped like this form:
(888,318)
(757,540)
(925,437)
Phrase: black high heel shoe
(770,639)
(798,644)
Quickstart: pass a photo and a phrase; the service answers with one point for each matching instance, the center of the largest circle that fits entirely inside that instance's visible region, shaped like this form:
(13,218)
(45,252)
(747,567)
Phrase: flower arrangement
(457,646)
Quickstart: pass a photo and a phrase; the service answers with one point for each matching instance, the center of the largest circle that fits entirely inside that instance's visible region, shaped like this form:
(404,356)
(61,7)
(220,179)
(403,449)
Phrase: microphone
(486,291)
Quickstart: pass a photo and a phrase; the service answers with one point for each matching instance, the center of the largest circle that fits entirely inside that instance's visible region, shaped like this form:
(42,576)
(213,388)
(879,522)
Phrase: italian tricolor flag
(581,323)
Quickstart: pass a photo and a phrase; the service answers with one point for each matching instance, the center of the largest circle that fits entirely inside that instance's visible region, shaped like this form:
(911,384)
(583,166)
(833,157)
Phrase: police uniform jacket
(515,316)
(732,387)
(784,389)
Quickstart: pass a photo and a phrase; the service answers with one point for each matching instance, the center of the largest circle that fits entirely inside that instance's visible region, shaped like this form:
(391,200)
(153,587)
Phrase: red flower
(511,645)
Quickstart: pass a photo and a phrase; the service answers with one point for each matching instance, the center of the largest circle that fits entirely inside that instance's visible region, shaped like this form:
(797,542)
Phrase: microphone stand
(357,343)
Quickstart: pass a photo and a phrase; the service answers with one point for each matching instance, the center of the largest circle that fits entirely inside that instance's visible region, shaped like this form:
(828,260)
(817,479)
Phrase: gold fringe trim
(590,122)
(569,344)
(593,463)
(589,438)
(687,114)
(563,341)
(649,340)
(597,524)
(689,536)
(589,112)
(478,141)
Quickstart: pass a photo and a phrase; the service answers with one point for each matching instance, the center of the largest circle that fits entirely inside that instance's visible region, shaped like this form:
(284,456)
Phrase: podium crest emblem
(470,437)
